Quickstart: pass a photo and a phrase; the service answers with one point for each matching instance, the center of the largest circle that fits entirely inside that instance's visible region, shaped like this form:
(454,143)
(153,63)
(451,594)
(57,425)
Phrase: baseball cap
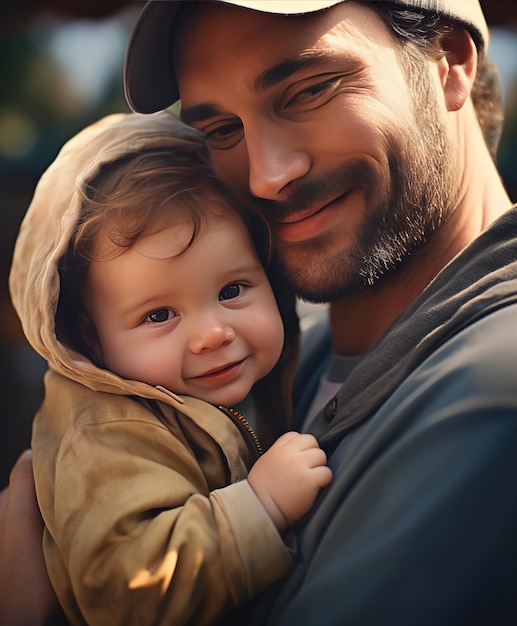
(149,80)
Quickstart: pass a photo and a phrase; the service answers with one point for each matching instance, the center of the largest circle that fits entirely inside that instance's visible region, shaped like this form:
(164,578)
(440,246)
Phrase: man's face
(313,115)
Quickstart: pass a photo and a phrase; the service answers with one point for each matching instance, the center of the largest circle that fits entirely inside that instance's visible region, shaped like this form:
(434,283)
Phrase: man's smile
(307,224)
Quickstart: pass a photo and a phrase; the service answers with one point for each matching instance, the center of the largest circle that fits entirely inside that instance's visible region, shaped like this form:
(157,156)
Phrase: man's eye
(224,136)
(230,291)
(313,93)
(160,316)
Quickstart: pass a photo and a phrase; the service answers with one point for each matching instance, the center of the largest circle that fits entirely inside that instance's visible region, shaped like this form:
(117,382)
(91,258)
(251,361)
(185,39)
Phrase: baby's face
(204,323)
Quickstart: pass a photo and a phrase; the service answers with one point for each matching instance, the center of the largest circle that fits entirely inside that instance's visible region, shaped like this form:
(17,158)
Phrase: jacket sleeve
(134,535)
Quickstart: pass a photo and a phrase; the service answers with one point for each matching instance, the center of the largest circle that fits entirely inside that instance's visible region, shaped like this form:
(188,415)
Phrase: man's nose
(275,158)
(210,334)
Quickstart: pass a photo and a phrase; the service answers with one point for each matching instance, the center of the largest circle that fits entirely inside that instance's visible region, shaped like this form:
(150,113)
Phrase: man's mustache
(316,193)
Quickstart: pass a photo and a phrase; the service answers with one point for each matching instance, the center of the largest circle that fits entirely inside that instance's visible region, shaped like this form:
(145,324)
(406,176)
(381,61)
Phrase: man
(367,131)
(26,596)
(366,151)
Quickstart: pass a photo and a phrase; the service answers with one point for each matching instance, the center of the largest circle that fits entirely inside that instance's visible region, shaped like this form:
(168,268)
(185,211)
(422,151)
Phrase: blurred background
(61,69)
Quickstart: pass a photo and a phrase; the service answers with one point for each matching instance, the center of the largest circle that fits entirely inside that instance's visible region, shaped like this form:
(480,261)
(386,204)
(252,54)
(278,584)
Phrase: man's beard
(401,214)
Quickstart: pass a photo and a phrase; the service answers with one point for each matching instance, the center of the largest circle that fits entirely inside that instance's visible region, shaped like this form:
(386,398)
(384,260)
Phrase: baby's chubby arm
(288,477)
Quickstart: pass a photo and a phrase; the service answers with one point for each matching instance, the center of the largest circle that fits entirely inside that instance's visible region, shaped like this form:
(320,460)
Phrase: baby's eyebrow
(247,268)
(140,308)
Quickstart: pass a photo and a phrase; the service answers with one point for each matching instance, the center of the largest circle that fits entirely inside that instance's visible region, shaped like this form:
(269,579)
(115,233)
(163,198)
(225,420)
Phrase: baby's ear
(457,67)
(90,338)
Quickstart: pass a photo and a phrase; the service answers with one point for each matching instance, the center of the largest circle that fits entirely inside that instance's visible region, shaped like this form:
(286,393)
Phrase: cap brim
(149,82)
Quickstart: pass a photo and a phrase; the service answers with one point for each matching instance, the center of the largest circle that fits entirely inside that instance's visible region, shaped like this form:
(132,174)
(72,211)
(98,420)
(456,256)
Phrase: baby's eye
(230,291)
(160,316)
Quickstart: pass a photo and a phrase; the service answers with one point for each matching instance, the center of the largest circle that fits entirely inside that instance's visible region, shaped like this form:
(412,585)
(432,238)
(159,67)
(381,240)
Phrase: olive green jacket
(148,515)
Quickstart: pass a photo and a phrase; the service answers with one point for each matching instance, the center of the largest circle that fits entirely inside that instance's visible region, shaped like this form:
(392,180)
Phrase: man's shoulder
(482,355)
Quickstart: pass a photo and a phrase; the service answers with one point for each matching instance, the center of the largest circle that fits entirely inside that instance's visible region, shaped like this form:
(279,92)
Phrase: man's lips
(300,216)
(294,218)
(305,225)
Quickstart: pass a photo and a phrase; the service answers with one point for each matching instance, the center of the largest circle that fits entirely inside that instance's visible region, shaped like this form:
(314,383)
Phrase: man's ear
(90,338)
(457,67)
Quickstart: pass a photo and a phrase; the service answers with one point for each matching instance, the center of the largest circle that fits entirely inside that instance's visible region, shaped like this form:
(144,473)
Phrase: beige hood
(49,223)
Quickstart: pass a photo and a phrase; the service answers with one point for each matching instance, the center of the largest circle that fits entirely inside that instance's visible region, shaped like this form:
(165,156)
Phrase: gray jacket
(418,526)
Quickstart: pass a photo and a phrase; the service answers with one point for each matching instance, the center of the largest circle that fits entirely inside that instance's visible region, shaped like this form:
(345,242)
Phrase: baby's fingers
(313,457)
(322,476)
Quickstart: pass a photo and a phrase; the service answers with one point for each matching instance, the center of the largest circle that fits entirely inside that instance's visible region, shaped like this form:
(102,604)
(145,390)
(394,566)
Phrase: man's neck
(358,321)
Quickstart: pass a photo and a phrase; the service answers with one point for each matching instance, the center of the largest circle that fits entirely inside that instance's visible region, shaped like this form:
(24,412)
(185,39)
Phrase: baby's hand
(288,477)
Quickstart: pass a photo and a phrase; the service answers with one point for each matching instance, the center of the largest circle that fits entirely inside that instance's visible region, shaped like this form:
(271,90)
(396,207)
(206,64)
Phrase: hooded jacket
(148,516)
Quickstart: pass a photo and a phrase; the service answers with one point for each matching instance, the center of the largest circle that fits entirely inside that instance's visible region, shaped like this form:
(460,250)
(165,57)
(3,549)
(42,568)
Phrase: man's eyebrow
(198,113)
(269,78)
(285,69)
